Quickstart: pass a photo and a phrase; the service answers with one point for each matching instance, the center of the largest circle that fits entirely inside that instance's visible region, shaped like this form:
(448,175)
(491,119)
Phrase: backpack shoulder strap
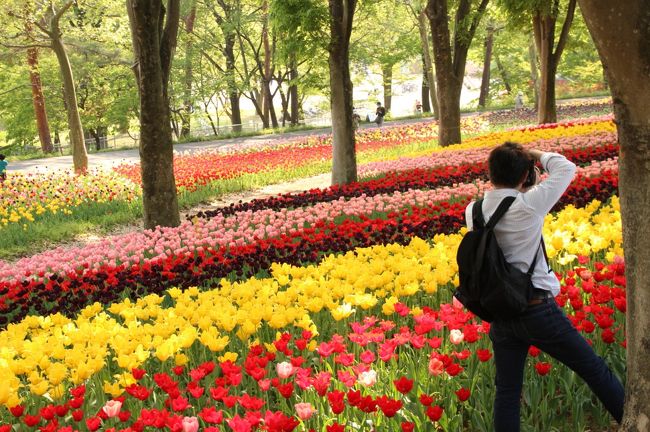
(504,205)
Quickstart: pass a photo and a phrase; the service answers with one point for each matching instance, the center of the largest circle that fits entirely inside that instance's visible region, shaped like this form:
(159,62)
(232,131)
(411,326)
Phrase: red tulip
(407,426)
(17,410)
(434,412)
(93,423)
(463,394)
(403,385)
(542,368)
(335,427)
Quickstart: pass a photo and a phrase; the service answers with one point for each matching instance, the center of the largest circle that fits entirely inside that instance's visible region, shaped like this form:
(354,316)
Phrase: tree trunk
(233,91)
(544,27)
(38,100)
(97,134)
(621,32)
(344,161)
(258,102)
(449,102)
(428,64)
(544,31)
(153,46)
(268,72)
(284,102)
(293,93)
(449,85)
(504,74)
(206,110)
(450,61)
(188,104)
(75,130)
(425,95)
(487,59)
(534,77)
(387,80)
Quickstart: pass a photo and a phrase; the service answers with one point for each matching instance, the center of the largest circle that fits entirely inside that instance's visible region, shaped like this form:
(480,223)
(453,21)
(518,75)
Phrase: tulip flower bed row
(443,169)
(25,198)
(556,144)
(564,111)
(196,169)
(424,365)
(69,292)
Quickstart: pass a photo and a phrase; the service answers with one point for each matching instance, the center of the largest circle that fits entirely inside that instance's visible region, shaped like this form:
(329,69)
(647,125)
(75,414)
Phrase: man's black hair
(508,164)
(2,157)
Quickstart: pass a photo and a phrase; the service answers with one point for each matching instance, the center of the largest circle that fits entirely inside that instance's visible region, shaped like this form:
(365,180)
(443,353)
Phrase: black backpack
(490,287)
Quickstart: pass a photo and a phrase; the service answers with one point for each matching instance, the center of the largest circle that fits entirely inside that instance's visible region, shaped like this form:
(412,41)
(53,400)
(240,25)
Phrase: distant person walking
(356,118)
(3,168)
(519,101)
(380,113)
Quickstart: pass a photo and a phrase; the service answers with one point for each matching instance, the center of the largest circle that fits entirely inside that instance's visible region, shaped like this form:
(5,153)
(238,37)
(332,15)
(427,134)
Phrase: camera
(531,178)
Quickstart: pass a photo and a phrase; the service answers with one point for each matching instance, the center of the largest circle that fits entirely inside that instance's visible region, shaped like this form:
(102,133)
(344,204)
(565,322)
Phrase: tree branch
(57,16)
(564,36)
(169,36)
(27,46)
(14,88)
(212,61)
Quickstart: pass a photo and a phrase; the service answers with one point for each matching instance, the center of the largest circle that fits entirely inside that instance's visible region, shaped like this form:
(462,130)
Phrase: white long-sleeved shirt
(520,229)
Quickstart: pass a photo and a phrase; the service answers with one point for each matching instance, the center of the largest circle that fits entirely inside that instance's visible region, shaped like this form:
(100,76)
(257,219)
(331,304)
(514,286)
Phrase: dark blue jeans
(547,327)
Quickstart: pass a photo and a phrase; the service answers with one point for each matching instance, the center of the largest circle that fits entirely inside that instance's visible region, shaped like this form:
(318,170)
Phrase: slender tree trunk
(188,104)
(621,32)
(423,25)
(75,130)
(425,95)
(268,72)
(206,109)
(154,40)
(293,91)
(487,60)
(233,92)
(257,99)
(504,74)
(97,134)
(534,76)
(38,100)
(284,101)
(387,79)
(344,161)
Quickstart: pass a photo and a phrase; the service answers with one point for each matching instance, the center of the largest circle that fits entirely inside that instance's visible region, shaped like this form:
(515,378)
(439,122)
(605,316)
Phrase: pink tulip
(190,424)
(436,367)
(456,336)
(284,370)
(368,378)
(304,410)
(112,408)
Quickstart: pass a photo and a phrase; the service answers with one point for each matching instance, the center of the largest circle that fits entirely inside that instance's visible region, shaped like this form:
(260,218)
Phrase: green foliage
(394,41)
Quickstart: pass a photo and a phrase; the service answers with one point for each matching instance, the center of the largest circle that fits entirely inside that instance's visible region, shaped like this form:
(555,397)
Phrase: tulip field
(38,210)
(325,310)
